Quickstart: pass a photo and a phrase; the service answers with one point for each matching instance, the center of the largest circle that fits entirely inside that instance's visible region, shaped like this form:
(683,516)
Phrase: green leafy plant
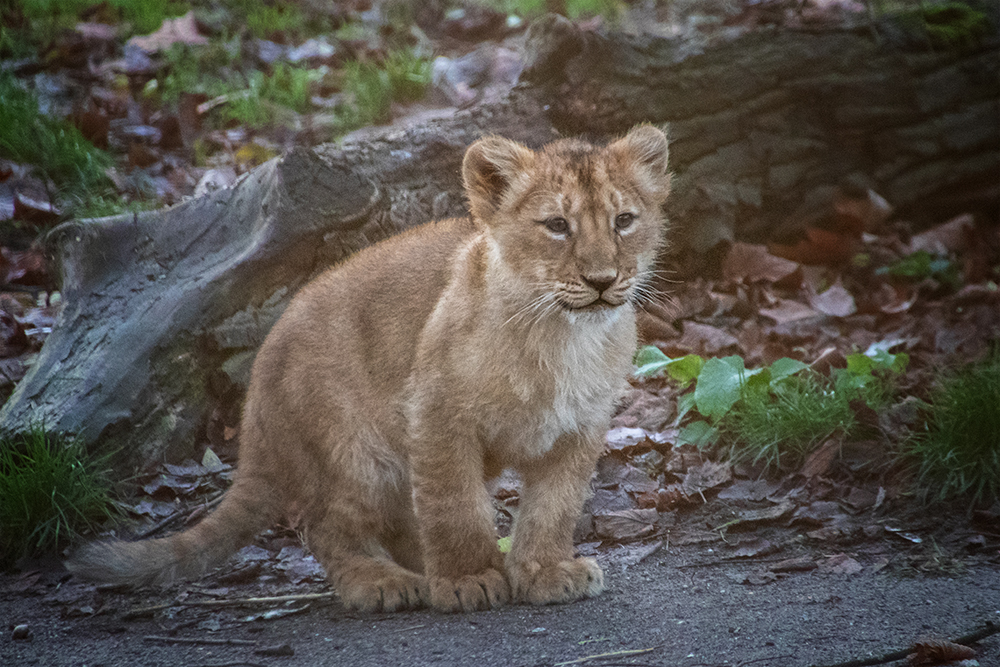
(776,414)
(51,491)
(922,264)
(57,149)
(958,452)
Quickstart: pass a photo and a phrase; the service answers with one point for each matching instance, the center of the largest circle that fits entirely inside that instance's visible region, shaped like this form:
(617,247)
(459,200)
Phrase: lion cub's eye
(624,221)
(556,225)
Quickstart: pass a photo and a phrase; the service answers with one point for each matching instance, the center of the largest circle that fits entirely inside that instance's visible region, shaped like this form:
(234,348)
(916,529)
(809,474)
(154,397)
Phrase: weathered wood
(164,310)
(759,121)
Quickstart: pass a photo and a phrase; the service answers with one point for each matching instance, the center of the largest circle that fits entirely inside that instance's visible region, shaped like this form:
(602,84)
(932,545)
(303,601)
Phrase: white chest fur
(581,360)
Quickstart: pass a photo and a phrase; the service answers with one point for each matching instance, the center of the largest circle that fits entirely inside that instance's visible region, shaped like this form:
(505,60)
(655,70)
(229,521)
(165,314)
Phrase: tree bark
(164,310)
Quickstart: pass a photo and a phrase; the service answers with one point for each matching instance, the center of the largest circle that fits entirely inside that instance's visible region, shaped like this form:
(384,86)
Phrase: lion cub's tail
(247,508)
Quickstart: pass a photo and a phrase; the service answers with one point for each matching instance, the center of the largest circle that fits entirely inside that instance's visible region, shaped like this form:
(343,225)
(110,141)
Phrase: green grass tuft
(265,19)
(51,490)
(56,148)
(778,414)
(958,453)
(373,88)
(782,428)
(609,9)
(409,75)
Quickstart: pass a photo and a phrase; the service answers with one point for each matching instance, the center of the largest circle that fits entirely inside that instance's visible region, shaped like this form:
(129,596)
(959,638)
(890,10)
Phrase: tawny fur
(395,383)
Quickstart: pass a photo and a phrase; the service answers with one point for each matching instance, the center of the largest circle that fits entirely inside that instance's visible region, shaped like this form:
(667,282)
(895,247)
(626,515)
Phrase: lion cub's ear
(646,146)
(490,167)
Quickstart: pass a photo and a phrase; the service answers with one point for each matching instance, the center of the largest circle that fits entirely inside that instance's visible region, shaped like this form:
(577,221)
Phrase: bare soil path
(693,605)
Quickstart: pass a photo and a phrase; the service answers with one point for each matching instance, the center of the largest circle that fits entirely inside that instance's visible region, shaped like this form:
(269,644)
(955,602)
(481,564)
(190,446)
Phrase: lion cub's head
(573,226)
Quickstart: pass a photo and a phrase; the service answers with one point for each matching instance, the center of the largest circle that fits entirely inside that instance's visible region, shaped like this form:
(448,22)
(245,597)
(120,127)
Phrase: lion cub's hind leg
(361,567)
(365,537)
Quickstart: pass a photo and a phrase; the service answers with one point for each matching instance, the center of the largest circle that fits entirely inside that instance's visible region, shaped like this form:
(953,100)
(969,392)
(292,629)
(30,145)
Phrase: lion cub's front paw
(395,590)
(471,592)
(564,581)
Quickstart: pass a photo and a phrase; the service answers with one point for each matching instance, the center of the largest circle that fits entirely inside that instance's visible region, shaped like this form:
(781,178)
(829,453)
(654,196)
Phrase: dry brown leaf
(625,524)
(853,214)
(13,340)
(671,496)
(820,246)
(893,299)
(788,310)
(624,438)
(609,500)
(25,267)
(838,532)
(835,301)
(704,339)
(647,500)
(750,518)
(949,237)
(800,564)
(938,652)
(840,564)
(748,489)
(749,263)
(634,480)
(644,412)
(653,327)
(755,547)
(706,476)
(861,499)
(817,513)
(684,458)
(821,459)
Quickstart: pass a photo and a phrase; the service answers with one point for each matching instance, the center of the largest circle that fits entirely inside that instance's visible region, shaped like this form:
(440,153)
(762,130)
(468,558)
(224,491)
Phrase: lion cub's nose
(600,281)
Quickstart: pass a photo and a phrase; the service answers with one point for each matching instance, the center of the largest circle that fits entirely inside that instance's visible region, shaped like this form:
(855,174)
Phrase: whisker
(540,302)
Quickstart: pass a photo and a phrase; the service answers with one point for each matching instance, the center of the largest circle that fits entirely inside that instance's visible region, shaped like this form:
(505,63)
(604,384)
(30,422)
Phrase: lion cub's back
(359,322)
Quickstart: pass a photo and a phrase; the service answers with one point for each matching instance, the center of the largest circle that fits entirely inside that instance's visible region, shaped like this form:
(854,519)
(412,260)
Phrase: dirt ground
(793,602)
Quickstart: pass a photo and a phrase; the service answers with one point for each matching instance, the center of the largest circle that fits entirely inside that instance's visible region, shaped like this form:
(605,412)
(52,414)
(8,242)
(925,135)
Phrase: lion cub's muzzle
(597,291)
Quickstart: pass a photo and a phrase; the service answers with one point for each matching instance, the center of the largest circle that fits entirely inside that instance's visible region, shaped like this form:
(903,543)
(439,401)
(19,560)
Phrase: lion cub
(395,383)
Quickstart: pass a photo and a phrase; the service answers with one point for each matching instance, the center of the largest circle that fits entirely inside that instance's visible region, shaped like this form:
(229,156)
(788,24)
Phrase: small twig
(773,657)
(144,611)
(202,640)
(412,627)
(990,628)
(613,654)
(729,561)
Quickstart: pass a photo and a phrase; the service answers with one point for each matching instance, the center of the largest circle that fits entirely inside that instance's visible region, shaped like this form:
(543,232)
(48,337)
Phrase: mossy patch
(948,25)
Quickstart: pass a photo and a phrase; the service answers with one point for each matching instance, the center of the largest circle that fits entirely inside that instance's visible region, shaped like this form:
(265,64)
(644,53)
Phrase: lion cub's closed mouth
(396,382)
